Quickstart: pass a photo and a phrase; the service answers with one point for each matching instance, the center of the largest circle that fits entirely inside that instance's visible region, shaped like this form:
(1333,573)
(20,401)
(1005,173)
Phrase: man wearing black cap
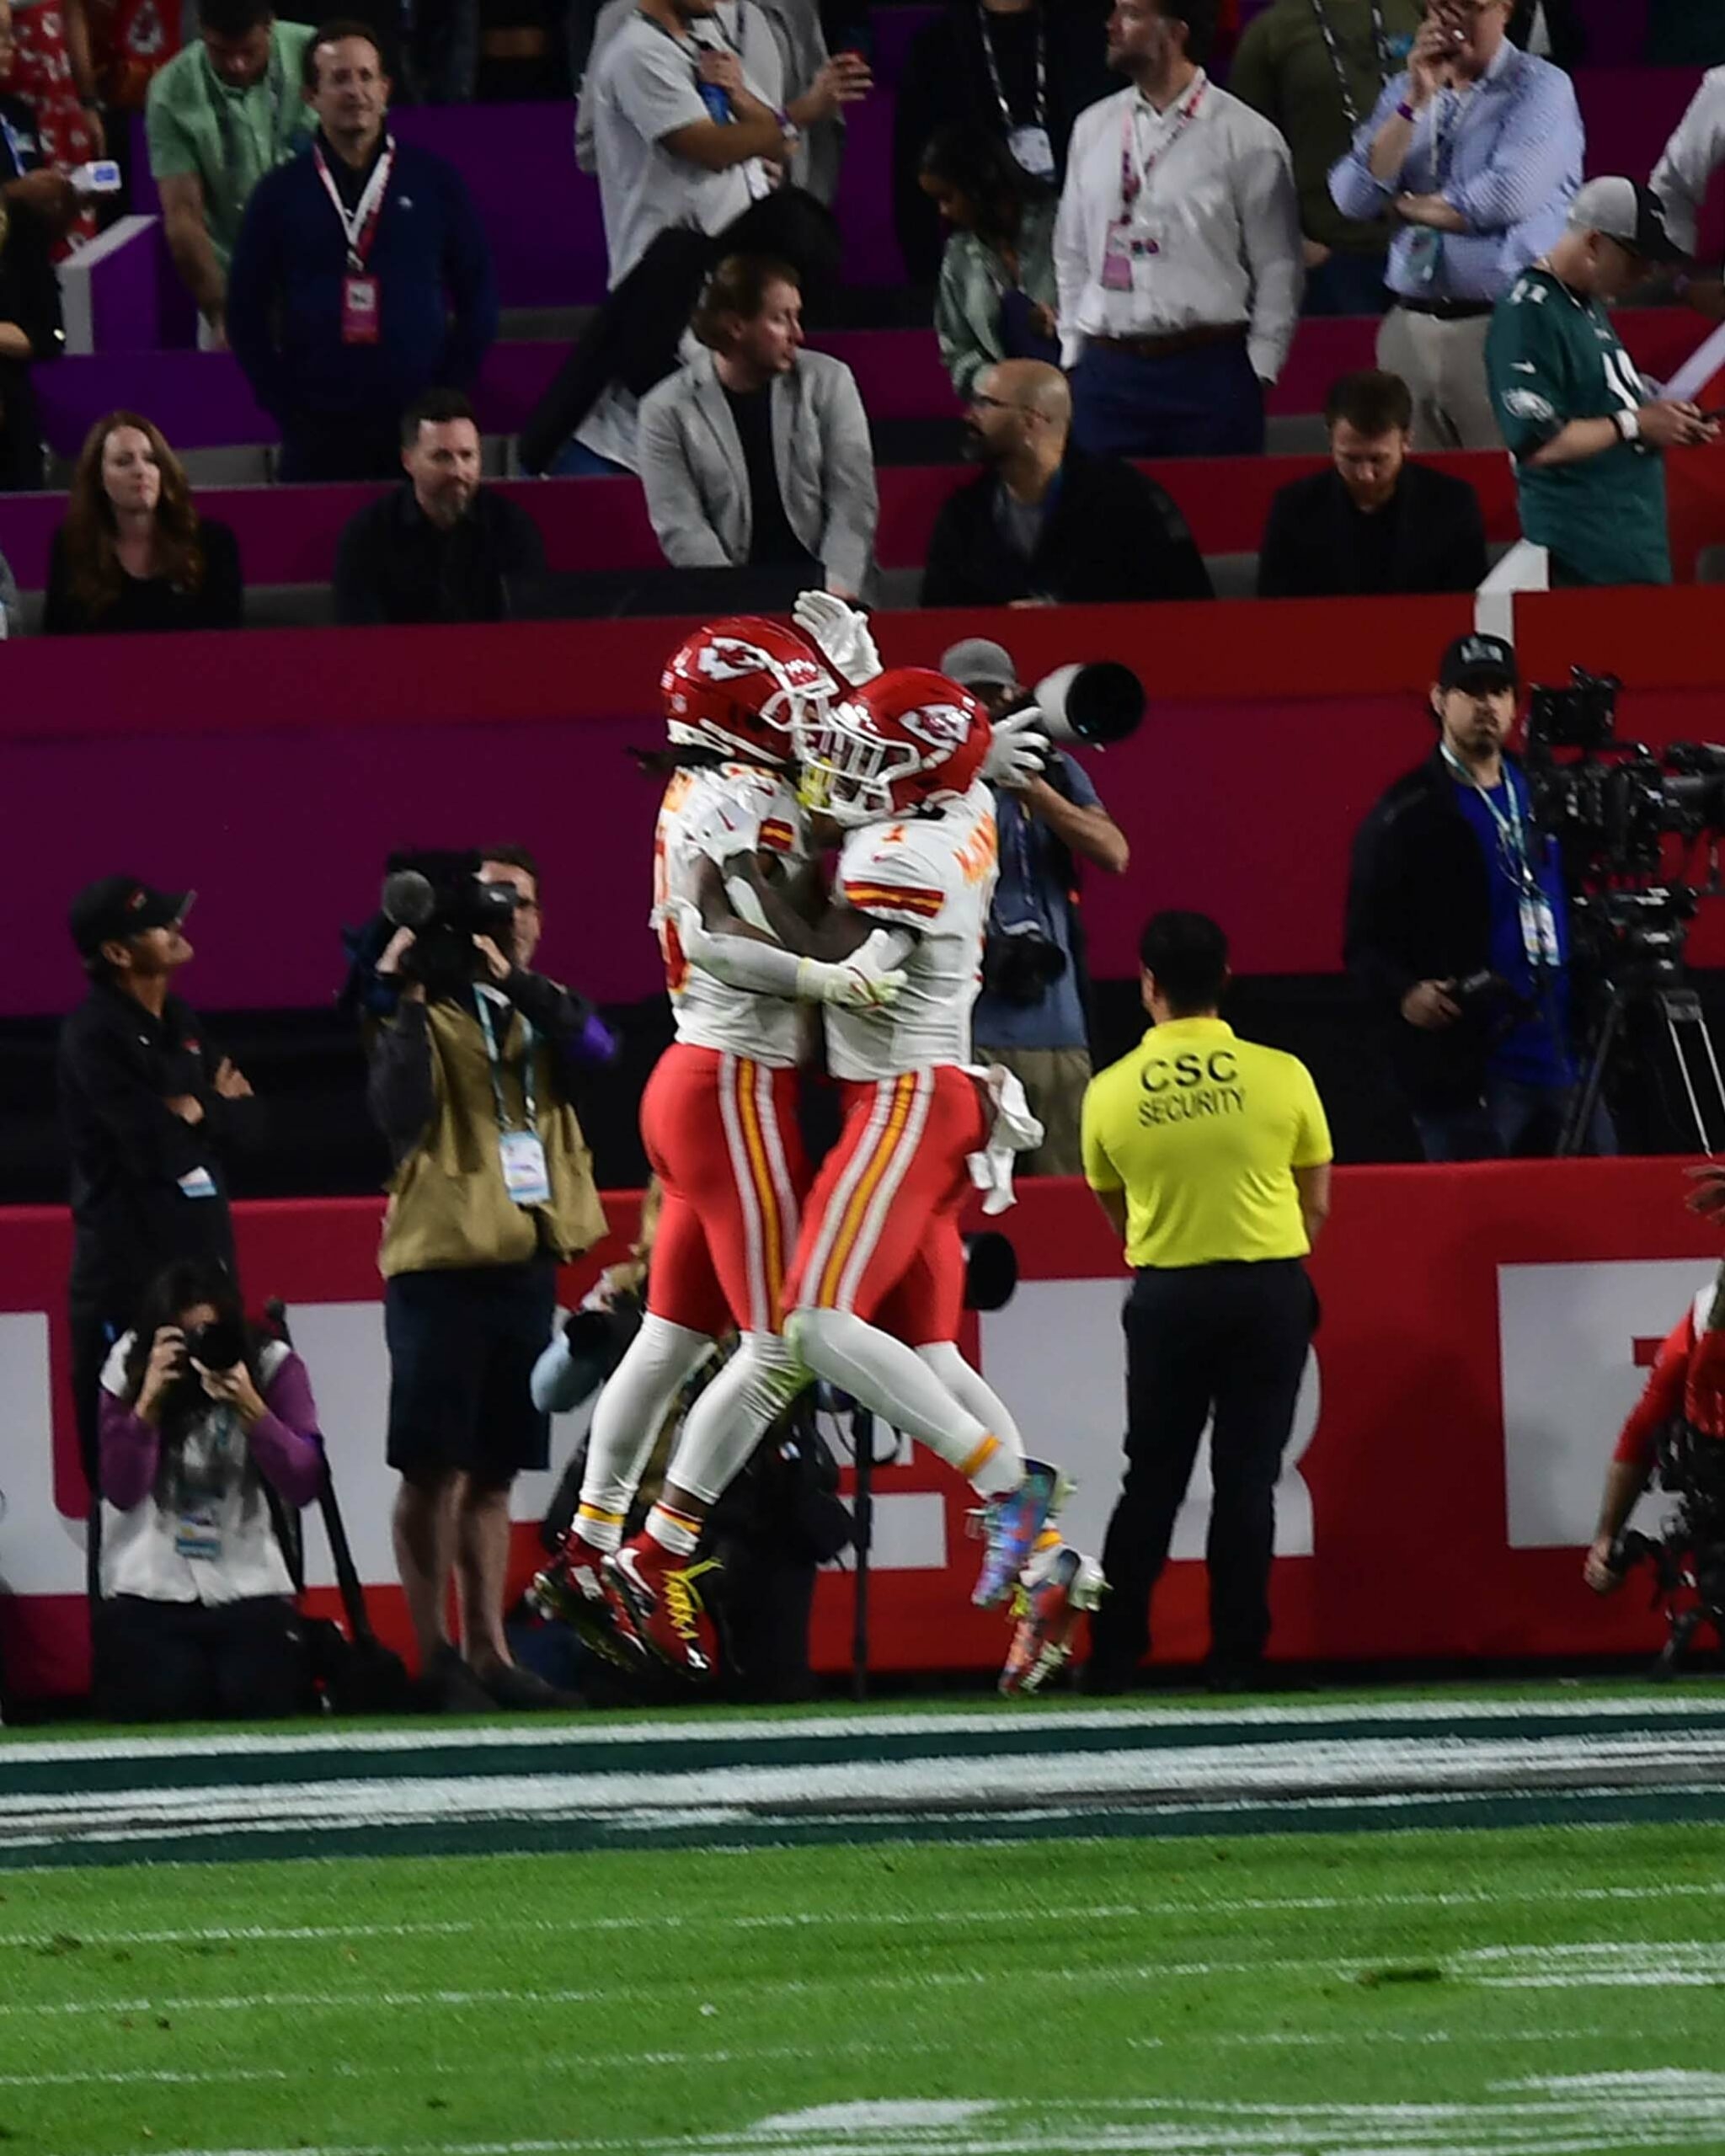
(1588,440)
(148,1109)
(1458,930)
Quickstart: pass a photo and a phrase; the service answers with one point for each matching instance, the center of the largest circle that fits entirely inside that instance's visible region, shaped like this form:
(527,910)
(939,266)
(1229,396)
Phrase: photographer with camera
(1032,1014)
(206,1430)
(1458,930)
(472,1081)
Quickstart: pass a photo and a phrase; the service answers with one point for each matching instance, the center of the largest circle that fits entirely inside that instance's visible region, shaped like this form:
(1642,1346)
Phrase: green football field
(950,1933)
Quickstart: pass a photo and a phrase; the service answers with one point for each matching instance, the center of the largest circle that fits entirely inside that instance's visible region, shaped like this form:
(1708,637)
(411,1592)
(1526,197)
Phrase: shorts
(462,1344)
(880,1235)
(720,1133)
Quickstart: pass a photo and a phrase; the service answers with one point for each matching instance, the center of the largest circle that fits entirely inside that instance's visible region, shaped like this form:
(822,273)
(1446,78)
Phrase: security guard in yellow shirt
(1211,1157)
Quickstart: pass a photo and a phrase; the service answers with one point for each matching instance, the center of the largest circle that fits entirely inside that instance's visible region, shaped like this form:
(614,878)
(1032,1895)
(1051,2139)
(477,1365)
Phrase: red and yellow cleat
(661,1604)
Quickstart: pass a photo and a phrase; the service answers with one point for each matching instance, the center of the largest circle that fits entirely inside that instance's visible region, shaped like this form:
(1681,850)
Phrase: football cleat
(1010,1525)
(660,1603)
(572,1590)
(1047,1608)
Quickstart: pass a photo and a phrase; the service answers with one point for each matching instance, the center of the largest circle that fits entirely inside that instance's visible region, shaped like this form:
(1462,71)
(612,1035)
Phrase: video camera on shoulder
(439,895)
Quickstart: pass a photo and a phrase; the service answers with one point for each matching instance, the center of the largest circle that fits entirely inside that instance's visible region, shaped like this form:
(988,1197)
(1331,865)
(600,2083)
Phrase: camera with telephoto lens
(1020,964)
(1611,805)
(439,895)
(220,1346)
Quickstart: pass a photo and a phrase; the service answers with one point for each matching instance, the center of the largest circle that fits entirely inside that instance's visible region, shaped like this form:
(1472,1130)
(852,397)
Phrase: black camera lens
(217,1347)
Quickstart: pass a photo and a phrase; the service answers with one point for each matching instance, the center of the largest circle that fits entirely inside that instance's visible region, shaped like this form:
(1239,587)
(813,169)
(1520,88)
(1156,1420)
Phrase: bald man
(1047,523)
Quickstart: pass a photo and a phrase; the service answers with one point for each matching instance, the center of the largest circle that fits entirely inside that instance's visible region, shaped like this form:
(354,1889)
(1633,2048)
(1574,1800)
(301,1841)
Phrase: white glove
(862,982)
(841,634)
(1019,750)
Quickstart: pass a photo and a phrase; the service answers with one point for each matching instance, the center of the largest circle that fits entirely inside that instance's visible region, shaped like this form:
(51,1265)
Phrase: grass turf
(1549,1990)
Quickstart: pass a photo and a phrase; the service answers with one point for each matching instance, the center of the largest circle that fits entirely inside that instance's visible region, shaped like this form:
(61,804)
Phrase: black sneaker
(507,1684)
(449,1687)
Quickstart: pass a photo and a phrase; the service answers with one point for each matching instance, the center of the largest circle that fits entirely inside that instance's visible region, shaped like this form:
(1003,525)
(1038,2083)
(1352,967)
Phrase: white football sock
(970,1389)
(892,1379)
(628,1416)
(733,1414)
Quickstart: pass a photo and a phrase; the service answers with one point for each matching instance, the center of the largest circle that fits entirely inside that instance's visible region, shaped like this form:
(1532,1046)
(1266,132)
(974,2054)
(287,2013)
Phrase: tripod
(1693,1054)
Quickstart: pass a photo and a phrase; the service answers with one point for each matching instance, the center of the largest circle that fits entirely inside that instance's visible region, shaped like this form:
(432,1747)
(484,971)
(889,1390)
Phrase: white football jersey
(934,874)
(700,818)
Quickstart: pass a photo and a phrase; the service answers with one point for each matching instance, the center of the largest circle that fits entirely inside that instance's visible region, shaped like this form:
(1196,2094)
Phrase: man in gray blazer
(757,453)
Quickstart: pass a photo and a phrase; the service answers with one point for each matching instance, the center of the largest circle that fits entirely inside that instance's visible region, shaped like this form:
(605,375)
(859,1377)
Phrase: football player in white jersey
(876,1288)
(719,1118)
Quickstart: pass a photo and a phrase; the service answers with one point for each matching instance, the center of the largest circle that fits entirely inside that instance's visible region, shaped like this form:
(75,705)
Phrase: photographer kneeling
(1458,930)
(201,1421)
(471,1082)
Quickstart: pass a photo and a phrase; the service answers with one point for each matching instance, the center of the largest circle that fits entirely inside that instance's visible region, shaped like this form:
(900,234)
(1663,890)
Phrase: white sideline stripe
(843,1729)
(824,1919)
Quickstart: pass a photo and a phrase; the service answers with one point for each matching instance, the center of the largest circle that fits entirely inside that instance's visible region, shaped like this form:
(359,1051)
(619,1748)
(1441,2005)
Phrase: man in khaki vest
(492,1189)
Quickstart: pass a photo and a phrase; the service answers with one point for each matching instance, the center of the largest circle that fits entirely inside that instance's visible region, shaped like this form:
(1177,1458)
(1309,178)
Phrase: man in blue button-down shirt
(1477,151)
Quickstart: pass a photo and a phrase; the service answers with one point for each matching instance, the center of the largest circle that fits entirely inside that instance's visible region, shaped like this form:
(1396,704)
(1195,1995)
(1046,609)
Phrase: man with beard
(439,547)
(1048,522)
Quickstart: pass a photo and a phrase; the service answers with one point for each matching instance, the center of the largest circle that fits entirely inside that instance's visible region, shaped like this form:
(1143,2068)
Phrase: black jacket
(1309,550)
(946,78)
(1419,908)
(394,565)
(1112,534)
(29,299)
(119,1067)
(150,605)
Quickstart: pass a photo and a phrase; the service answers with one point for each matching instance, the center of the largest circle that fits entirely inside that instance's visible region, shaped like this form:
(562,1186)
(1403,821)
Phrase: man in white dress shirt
(1681,178)
(1176,251)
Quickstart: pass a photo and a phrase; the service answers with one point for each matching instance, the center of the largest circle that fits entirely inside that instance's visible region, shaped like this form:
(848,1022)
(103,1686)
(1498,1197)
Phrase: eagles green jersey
(1553,356)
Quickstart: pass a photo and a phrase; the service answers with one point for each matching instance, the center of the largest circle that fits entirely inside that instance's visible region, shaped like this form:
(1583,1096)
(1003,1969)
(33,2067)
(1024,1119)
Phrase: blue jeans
(1496,1126)
(1348,284)
(1208,403)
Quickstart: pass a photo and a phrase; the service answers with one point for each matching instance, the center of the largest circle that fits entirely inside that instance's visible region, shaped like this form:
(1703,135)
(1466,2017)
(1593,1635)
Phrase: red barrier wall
(1482,1329)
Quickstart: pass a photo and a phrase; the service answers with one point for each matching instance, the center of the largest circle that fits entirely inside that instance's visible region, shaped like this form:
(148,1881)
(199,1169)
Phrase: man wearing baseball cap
(1032,1014)
(1458,930)
(149,1109)
(1588,439)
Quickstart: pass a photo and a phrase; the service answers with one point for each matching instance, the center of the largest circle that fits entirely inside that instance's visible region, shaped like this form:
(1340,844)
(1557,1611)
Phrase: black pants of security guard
(1223,1341)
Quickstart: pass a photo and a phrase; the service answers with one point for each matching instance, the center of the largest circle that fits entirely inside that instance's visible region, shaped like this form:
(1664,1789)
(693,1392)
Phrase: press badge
(1123,248)
(197,1182)
(358,310)
(1539,931)
(526,1176)
(1034,150)
(1425,255)
(197,1538)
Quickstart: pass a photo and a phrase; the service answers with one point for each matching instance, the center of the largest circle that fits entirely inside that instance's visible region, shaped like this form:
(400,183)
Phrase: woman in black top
(133,553)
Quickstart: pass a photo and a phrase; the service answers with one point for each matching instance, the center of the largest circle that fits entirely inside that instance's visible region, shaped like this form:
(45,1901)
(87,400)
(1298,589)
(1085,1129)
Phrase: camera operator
(1686,1385)
(1032,1014)
(150,1110)
(471,1082)
(1458,930)
(206,1428)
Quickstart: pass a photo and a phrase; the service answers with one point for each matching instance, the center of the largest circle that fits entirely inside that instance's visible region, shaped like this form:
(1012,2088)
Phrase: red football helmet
(740,687)
(906,740)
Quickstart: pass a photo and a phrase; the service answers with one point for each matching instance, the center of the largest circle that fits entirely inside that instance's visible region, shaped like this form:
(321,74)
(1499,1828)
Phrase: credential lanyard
(1039,116)
(1381,40)
(226,107)
(359,225)
(482,1003)
(1511,833)
(1134,177)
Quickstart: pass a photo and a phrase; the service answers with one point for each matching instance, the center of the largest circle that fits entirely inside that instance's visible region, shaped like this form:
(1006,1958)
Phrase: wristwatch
(1628,425)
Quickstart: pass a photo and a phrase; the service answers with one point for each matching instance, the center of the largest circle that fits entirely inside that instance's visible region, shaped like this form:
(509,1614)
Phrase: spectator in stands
(151,1111)
(26,175)
(997,294)
(1374,522)
(1588,442)
(50,65)
(1032,1015)
(30,330)
(1177,250)
(1681,180)
(1458,930)
(1476,150)
(221,114)
(133,553)
(439,547)
(812,85)
(1022,69)
(362,276)
(206,1426)
(1046,521)
(492,1188)
(1312,67)
(757,452)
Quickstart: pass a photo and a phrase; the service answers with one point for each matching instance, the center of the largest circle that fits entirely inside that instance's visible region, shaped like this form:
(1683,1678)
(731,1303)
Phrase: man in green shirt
(221,114)
(1588,441)
(1315,68)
